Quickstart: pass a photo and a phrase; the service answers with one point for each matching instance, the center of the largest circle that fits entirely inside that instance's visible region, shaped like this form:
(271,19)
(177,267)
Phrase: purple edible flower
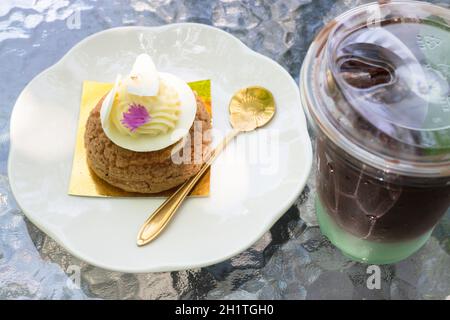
(136,116)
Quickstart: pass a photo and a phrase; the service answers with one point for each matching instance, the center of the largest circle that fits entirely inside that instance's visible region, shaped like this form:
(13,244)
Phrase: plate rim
(283,208)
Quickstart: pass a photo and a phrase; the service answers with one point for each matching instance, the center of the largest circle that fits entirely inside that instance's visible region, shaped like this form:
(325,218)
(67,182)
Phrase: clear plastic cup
(375,85)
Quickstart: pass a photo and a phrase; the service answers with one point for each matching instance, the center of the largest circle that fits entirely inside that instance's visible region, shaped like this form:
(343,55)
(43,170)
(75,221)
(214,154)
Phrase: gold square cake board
(84,182)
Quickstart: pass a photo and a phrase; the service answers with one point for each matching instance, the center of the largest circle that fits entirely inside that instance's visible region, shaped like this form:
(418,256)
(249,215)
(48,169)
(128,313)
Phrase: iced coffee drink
(376,87)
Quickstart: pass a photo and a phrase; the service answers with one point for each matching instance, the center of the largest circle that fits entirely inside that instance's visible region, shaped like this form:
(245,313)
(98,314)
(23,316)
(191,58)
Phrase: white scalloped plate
(247,196)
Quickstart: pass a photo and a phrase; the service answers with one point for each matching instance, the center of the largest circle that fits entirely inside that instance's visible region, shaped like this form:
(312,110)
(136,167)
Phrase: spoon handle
(156,223)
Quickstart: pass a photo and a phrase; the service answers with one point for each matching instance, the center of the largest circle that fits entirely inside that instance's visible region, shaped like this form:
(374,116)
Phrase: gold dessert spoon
(249,108)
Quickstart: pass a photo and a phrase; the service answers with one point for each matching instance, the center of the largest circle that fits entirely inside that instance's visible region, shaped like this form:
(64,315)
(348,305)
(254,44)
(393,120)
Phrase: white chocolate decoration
(136,117)
(105,110)
(143,79)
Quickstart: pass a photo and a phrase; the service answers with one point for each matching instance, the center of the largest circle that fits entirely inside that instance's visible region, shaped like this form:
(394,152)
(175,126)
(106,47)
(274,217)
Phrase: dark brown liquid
(373,209)
(363,75)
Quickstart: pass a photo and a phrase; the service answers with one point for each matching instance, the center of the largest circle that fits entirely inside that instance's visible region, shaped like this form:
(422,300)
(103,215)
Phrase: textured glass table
(292,261)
